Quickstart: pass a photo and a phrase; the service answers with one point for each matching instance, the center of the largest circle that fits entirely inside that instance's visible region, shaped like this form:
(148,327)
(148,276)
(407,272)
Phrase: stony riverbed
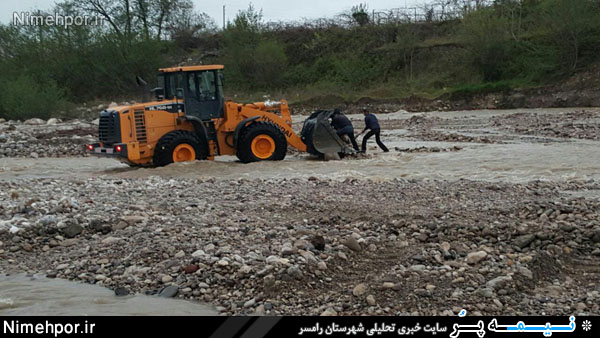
(384,234)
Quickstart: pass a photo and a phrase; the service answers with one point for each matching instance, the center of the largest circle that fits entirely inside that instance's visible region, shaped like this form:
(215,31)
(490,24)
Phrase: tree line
(45,70)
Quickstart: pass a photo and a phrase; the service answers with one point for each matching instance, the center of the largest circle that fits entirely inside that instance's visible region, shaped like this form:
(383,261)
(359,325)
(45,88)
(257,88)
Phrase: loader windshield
(170,82)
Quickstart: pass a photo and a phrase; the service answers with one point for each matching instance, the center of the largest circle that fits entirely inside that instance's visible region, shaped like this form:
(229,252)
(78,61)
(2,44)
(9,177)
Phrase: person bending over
(343,126)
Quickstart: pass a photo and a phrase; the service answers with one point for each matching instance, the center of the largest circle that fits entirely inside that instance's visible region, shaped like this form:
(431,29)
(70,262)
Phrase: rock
(222,262)
(71,230)
(322,265)
(342,255)
(476,257)
(308,256)
(388,285)
(359,290)
(131,220)
(422,293)
(329,312)
(524,240)
(111,240)
(294,272)
(245,269)
(287,251)
(486,292)
(371,300)
(35,122)
(112,104)
(2,120)
(526,272)
(596,236)
(166,279)
(318,242)
(53,121)
(260,310)
(274,260)
(169,292)
(352,244)
(191,268)
(417,267)
(180,254)
(47,220)
(498,282)
(198,253)
(250,303)
(100,277)
(62,266)
(69,242)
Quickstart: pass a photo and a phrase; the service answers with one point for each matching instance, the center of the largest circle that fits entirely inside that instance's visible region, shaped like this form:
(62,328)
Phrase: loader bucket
(320,137)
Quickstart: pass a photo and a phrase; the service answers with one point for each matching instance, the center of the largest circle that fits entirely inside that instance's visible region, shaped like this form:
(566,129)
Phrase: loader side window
(207,86)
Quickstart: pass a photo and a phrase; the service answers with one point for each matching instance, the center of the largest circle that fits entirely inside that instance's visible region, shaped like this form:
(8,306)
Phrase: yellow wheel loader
(190,120)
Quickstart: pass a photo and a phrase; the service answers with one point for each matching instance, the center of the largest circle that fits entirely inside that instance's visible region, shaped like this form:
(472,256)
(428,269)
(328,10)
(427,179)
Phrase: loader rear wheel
(261,141)
(179,146)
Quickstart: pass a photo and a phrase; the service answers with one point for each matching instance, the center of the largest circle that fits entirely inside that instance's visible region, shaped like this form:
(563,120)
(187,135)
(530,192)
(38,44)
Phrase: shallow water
(520,159)
(36,295)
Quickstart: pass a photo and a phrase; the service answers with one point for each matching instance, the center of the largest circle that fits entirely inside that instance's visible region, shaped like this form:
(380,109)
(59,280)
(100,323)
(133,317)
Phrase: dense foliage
(490,44)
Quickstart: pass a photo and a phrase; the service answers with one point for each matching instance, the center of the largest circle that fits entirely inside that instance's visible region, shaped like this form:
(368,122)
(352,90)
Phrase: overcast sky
(273,10)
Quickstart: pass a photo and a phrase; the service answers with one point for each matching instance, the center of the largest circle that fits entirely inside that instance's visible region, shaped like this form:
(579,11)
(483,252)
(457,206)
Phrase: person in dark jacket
(372,125)
(343,126)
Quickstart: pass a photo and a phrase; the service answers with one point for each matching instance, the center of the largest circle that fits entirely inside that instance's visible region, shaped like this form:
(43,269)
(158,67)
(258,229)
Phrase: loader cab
(199,87)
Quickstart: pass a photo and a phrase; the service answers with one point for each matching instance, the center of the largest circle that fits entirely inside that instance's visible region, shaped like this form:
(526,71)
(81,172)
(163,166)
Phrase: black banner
(276,327)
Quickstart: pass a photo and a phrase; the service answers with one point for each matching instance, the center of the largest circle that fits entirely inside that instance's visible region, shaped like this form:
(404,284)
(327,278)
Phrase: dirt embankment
(580,90)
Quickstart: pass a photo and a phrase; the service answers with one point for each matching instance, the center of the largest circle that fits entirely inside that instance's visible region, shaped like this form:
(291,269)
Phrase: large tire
(185,143)
(261,141)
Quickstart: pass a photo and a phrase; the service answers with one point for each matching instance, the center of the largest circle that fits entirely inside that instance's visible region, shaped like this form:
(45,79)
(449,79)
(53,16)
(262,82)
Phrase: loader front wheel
(179,146)
(261,141)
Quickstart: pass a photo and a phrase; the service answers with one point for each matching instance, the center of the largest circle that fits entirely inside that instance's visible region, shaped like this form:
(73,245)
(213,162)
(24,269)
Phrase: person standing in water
(372,125)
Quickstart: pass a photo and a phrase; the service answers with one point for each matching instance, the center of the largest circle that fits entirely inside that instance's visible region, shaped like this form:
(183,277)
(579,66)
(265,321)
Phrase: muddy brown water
(519,159)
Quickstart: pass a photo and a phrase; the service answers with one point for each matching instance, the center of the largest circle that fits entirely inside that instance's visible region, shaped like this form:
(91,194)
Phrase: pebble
(352,244)
(476,257)
(294,272)
(359,290)
(524,240)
